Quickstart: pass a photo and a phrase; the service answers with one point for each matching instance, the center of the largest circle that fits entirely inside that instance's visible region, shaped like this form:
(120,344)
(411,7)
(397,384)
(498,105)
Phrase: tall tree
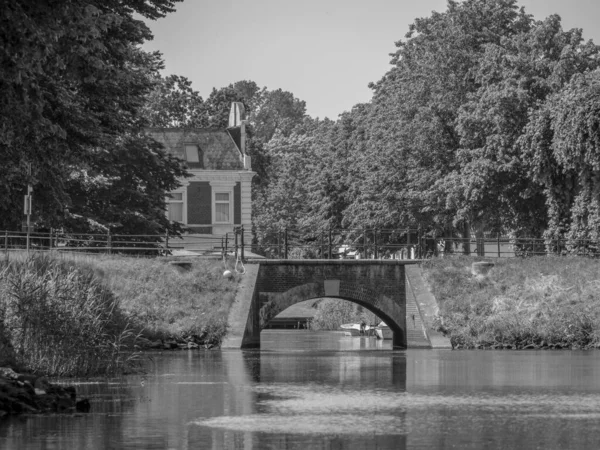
(492,185)
(173,103)
(73,78)
(562,142)
(413,131)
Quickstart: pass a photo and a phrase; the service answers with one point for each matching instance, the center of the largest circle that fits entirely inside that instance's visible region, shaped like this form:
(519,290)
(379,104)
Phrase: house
(217,197)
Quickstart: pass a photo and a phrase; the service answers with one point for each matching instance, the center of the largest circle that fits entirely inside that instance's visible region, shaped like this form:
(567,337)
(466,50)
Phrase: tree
(174,104)
(278,112)
(73,80)
(493,185)
(412,124)
(562,142)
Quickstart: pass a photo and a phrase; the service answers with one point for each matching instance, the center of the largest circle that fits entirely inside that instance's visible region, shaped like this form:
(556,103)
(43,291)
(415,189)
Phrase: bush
(537,302)
(60,320)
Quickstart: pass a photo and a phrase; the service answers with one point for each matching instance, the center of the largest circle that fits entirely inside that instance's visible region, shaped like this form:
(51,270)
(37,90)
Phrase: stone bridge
(271,286)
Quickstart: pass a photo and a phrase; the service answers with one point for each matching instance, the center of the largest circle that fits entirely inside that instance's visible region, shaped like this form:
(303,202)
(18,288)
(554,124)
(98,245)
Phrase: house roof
(217,147)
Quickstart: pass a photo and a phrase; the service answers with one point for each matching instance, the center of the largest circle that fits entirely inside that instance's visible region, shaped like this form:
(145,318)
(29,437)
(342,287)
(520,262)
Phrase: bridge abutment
(271,286)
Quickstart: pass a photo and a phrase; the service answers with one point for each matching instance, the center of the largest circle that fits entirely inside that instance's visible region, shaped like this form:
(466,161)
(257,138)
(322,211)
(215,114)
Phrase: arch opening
(272,304)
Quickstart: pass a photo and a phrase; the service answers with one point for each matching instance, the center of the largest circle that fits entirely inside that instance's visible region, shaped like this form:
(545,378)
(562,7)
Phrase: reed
(74,314)
(58,319)
(540,302)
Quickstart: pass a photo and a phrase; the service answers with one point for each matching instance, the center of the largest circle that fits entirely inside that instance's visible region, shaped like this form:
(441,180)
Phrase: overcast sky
(323,51)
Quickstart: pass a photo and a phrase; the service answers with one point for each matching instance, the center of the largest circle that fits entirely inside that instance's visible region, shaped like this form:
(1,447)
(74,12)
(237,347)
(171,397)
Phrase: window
(175,207)
(222,207)
(191,154)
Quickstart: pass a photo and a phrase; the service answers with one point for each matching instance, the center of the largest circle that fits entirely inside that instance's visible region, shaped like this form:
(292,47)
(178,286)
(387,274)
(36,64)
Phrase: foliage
(539,302)
(485,122)
(562,142)
(73,80)
(173,103)
(60,320)
(331,313)
(164,303)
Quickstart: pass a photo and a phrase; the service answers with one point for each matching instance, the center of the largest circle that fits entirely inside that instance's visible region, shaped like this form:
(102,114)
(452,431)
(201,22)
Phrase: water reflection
(328,391)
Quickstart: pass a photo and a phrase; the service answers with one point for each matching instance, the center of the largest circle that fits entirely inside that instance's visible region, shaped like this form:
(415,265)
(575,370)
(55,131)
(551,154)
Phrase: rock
(41,383)
(83,405)
(7,372)
(481,267)
(25,393)
(156,344)
(71,391)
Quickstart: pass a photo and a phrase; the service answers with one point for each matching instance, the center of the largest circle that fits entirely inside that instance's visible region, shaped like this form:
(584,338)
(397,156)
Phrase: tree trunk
(466,235)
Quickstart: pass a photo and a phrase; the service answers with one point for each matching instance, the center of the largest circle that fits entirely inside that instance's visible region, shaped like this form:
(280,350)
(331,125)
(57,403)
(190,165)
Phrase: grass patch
(58,319)
(541,302)
(71,314)
(166,303)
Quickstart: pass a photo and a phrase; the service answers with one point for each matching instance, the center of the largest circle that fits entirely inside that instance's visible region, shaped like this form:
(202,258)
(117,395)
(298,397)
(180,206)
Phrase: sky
(325,52)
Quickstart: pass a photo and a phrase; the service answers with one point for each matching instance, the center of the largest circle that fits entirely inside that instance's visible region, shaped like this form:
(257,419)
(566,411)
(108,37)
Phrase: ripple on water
(315,409)
(330,424)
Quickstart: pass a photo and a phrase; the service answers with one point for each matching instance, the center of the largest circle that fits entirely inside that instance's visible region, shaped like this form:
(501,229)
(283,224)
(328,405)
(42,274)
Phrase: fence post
(242,240)
(498,239)
(226,243)
(285,244)
(6,242)
(375,250)
(330,243)
(167,240)
(109,243)
(235,239)
(322,246)
(419,243)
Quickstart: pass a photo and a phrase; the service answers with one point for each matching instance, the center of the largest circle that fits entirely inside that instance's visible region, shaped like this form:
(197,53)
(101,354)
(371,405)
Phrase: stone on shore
(28,394)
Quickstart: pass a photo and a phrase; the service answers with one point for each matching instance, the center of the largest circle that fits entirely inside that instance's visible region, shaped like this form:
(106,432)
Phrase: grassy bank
(83,315)
(540,302)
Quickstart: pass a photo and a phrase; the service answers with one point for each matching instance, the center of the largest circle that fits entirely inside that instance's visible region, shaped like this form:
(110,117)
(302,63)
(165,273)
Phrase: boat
(382,331)
(353,329)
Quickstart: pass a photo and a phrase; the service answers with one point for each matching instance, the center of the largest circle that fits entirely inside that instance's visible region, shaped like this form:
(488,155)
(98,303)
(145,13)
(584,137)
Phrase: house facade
(217,197)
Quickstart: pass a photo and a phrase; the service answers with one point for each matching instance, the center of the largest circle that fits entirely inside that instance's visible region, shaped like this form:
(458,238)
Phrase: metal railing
(408,243)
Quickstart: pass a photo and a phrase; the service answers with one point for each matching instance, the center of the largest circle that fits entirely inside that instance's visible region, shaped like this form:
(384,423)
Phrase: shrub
(60,320)
(536,302)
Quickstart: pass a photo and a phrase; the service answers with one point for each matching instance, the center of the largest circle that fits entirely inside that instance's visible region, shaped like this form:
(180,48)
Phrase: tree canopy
(73,80)
(486,121)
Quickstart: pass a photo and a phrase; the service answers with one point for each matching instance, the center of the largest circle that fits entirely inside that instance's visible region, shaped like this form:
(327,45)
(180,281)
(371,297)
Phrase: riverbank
(76,315)
(531,303)
(29,394)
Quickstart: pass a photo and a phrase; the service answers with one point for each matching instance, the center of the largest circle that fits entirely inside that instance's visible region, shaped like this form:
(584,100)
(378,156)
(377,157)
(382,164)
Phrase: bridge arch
(272,304)
(377,285)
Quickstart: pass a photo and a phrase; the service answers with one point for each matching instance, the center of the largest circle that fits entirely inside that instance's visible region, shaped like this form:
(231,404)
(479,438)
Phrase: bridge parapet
(378,285)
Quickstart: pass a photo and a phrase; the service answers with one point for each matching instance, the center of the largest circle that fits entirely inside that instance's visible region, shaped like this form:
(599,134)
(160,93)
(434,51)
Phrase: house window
(191,154)
(175,207)
(222,207)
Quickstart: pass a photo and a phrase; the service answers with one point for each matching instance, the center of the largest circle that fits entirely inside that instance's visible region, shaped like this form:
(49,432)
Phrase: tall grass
(59,319)
(540,302)
(73,314)
(167,303)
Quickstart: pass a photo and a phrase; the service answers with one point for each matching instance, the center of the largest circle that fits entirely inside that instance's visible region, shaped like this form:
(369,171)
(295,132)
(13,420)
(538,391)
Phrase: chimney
(237,119)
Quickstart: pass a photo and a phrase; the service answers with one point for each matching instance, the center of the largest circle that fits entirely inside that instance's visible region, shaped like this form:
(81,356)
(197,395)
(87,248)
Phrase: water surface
(329,391)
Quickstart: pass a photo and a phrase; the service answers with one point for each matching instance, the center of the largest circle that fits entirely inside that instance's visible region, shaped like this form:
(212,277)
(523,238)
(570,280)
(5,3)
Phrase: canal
(324,390)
